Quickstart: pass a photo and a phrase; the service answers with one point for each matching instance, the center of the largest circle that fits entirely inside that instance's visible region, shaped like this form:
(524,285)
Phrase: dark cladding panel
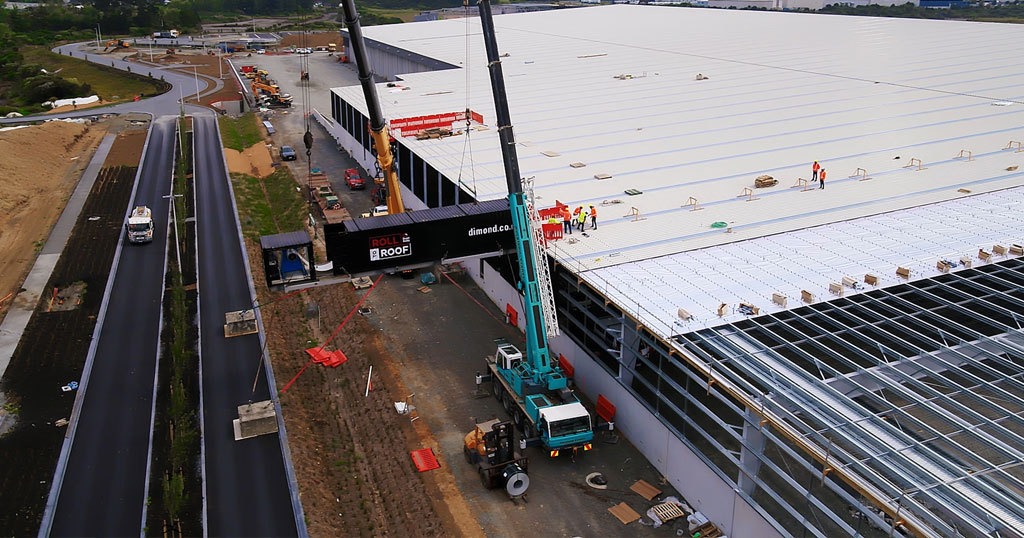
(370,245)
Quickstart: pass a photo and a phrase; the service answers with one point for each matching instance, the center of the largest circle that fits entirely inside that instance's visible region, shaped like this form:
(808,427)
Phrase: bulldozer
(492,447)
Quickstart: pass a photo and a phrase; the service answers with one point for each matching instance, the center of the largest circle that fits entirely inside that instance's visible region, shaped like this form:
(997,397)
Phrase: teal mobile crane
(531,389)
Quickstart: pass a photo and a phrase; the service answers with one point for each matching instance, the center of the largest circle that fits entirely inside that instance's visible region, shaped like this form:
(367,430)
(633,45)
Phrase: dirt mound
(254,161)
(321,39)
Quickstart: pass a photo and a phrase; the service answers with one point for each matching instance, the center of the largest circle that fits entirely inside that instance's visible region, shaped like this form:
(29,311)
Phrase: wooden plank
(625,514)
(645,490)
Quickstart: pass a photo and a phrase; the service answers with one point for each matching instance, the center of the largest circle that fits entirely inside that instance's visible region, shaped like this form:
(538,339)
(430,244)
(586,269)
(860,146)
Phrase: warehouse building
(796,360)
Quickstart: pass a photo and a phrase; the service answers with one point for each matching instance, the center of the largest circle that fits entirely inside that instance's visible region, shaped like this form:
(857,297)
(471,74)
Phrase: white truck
(140,225)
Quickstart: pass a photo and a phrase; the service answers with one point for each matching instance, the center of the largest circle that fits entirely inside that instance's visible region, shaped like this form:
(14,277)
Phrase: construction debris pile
(765,181)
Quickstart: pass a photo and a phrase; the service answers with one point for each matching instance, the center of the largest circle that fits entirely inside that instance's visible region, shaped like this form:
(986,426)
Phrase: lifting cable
(304,78)
(467,145)
(335,333)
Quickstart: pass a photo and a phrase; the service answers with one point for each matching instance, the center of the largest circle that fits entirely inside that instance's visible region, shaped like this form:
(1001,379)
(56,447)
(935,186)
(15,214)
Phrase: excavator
(116,44)
(275,99)
(378,126)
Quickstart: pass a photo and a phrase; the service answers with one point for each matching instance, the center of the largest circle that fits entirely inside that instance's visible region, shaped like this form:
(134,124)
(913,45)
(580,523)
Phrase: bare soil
(318,39)
(254,161)
(351,451)
(44,165)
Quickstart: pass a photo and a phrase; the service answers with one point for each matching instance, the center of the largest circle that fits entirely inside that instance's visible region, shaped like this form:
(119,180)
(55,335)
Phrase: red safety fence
(549,212)
(552,230)
(424,460)
(511,314)
(567,368)
(605,409)
(414,125)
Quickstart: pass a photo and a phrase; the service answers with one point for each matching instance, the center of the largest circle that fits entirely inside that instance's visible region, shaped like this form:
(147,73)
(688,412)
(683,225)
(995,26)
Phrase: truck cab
(140,225)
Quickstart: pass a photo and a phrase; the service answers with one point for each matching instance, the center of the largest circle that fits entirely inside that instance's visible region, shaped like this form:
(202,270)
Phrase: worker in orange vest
(593,218)
(822,179)
(566,221)
(814,171)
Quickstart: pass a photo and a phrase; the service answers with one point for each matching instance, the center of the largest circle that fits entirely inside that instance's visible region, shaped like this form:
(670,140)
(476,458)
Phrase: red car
(354,180)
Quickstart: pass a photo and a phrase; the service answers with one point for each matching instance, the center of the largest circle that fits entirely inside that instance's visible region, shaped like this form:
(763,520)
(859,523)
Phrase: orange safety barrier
(552,230)
(549,212)
(567,368)
(424,460)
(605,409)
(511,314)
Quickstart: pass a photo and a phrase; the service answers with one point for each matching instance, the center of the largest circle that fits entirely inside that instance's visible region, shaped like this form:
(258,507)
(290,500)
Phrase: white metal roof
(784,89)
(811,259)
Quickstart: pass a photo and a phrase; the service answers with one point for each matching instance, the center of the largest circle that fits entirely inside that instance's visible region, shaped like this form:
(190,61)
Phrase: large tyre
(484,479)
(496,386)
(506,400)
(467,453)
(517,417)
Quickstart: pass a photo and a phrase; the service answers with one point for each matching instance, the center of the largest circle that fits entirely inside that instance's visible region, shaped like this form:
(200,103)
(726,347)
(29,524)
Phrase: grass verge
(240,133)
(110,84)
(175,485)
(272,205)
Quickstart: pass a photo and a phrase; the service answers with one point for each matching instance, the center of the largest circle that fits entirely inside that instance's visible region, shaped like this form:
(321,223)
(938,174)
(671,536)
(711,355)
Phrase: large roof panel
(852,92)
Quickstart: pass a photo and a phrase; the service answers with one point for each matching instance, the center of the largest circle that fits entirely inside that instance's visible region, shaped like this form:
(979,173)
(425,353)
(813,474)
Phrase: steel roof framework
(932,415)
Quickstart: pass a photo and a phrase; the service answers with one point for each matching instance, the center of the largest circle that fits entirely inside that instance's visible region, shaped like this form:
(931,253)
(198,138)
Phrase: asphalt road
(166,103)
(246,486)
(103,488)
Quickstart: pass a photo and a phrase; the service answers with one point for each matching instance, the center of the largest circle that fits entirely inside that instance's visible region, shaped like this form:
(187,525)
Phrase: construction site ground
(33,190)
(353,451)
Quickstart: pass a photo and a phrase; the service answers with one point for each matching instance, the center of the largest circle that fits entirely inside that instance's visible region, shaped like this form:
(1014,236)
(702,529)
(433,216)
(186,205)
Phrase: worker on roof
(814,171)
(593,218)
(822,179)
(566,221)
(582,219)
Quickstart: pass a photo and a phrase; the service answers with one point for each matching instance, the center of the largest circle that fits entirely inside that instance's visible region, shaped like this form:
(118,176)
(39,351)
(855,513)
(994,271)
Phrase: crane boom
(537,353)
(378,127)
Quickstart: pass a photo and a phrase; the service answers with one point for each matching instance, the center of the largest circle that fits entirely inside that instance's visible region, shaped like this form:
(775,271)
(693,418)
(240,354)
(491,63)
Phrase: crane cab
(508,356)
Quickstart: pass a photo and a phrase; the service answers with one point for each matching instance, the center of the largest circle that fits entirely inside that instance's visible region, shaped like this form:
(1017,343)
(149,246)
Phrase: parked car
(261,51)
(287,153)
(354,180)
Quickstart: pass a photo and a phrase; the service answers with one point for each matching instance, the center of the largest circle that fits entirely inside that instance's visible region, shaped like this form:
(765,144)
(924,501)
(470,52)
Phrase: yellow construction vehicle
(492,447)
(378,126)
(115,44)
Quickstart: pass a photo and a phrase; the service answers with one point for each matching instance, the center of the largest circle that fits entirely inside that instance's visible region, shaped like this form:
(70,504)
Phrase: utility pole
(99,35)
(196,71)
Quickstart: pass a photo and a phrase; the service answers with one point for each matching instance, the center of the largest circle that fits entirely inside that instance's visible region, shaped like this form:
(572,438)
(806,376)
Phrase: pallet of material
(761,182)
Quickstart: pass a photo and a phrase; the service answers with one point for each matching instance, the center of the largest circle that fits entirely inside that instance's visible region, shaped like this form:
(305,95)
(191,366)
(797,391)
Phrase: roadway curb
(83,383)
(293,484)
(159,345)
